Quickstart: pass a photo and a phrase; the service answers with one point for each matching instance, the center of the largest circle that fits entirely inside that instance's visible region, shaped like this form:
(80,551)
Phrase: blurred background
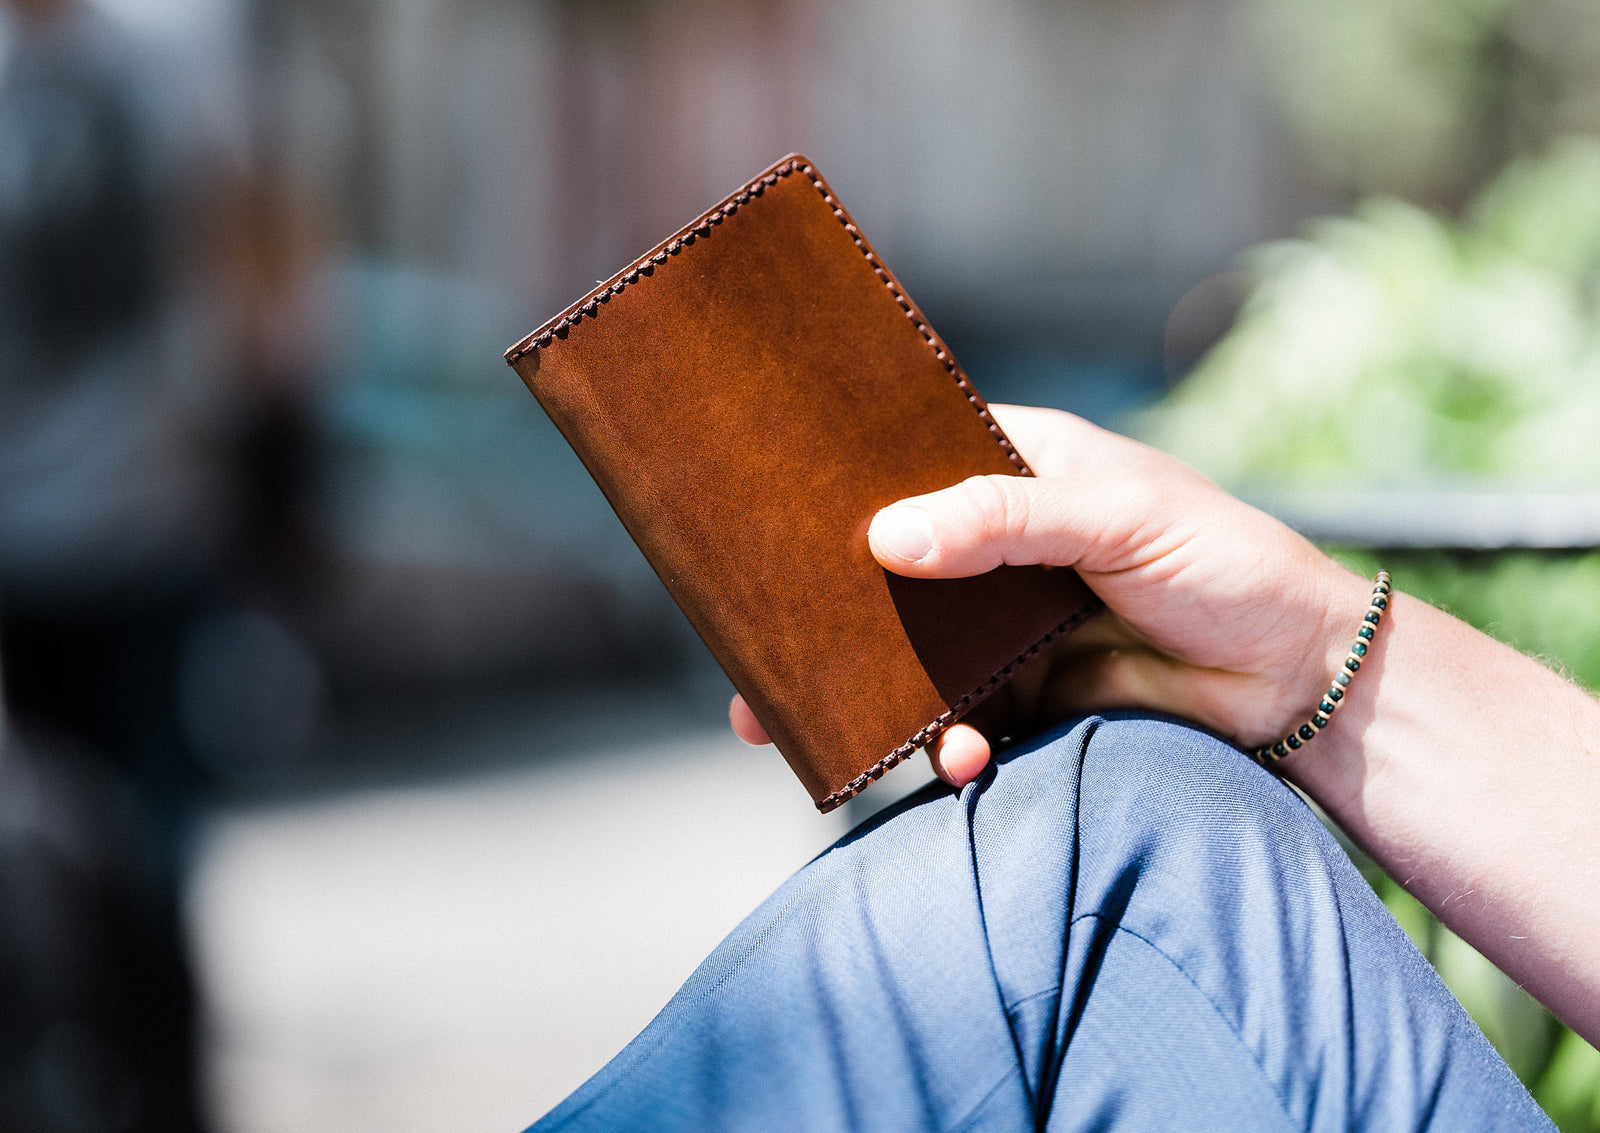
(351,755)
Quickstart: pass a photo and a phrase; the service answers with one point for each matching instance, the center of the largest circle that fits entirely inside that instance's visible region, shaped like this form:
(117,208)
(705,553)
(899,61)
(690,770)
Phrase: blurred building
(1048,177)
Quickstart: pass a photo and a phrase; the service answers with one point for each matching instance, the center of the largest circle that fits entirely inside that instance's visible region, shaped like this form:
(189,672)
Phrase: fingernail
(903,532)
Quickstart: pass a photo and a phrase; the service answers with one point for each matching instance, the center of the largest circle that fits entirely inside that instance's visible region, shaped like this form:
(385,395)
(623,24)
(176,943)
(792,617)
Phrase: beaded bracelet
(1305,733)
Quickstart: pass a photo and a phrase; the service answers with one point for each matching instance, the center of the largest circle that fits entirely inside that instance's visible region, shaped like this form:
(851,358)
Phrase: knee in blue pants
(1122,924)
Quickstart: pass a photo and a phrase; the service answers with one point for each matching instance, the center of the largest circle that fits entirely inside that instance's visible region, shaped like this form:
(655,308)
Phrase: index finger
(1048,439)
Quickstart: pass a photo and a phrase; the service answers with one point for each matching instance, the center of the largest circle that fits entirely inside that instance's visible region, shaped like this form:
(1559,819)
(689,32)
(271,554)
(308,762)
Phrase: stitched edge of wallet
(928,734)
(559,327)
(643,268)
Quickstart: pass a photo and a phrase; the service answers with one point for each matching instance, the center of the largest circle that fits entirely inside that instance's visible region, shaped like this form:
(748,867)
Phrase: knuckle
(999,509)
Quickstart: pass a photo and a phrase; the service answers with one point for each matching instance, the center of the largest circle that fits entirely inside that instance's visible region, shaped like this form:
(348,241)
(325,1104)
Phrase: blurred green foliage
(1426,98)
(1399,347)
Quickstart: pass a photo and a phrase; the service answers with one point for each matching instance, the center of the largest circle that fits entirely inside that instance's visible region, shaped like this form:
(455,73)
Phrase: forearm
(1472,774)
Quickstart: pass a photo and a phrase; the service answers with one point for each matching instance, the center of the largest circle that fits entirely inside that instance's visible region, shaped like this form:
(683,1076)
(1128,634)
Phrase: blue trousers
(1125,924)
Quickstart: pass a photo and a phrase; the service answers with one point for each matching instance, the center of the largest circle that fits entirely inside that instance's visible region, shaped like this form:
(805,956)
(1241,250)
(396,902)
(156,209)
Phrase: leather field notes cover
(747,395)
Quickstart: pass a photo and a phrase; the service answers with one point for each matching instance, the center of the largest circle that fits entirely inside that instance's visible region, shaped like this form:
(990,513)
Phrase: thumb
(984,522)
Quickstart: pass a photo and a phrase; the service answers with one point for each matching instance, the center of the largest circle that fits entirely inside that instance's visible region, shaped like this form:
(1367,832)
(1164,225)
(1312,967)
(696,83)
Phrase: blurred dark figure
(95,1000)
(105,532)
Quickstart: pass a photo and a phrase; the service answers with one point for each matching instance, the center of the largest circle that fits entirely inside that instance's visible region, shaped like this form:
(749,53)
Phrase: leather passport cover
(747,395)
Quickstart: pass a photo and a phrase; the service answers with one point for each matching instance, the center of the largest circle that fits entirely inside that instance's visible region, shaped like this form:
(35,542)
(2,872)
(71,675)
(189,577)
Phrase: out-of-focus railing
(1447,519)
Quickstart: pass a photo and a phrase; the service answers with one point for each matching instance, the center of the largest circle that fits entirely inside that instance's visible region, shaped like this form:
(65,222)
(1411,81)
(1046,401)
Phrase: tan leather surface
(747,396)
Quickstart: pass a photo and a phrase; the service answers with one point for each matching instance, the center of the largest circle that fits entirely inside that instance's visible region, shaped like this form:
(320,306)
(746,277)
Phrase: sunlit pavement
(459,954)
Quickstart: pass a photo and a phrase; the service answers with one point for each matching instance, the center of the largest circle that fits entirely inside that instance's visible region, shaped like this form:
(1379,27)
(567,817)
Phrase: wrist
(1345,599)
(1341,650)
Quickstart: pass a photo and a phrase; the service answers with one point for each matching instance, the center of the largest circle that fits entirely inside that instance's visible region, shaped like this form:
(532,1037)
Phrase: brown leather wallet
(747,395)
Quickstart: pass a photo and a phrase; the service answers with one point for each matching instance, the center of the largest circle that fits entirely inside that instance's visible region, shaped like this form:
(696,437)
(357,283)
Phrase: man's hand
(1215,611)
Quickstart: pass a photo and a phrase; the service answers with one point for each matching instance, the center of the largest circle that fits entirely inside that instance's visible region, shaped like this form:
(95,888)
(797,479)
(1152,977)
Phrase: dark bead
(1279,750)
(1372,616)
(1343,679)
(1320,720)
(1365,632)
(1359,649)
(1335,693)
(1292,742)
(1326,707)
(1307,732)
(1352,663)
(1380,601)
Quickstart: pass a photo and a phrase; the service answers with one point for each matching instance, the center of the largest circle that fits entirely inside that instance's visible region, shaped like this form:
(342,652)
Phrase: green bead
(1343,679)
(1365,632)
(1359,649)
(1372,616)
(1320,720)
(1352,663)
(1380,601)
(1327,706)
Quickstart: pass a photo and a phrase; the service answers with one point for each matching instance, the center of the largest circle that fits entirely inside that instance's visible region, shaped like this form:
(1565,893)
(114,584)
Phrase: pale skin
(1467,770)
